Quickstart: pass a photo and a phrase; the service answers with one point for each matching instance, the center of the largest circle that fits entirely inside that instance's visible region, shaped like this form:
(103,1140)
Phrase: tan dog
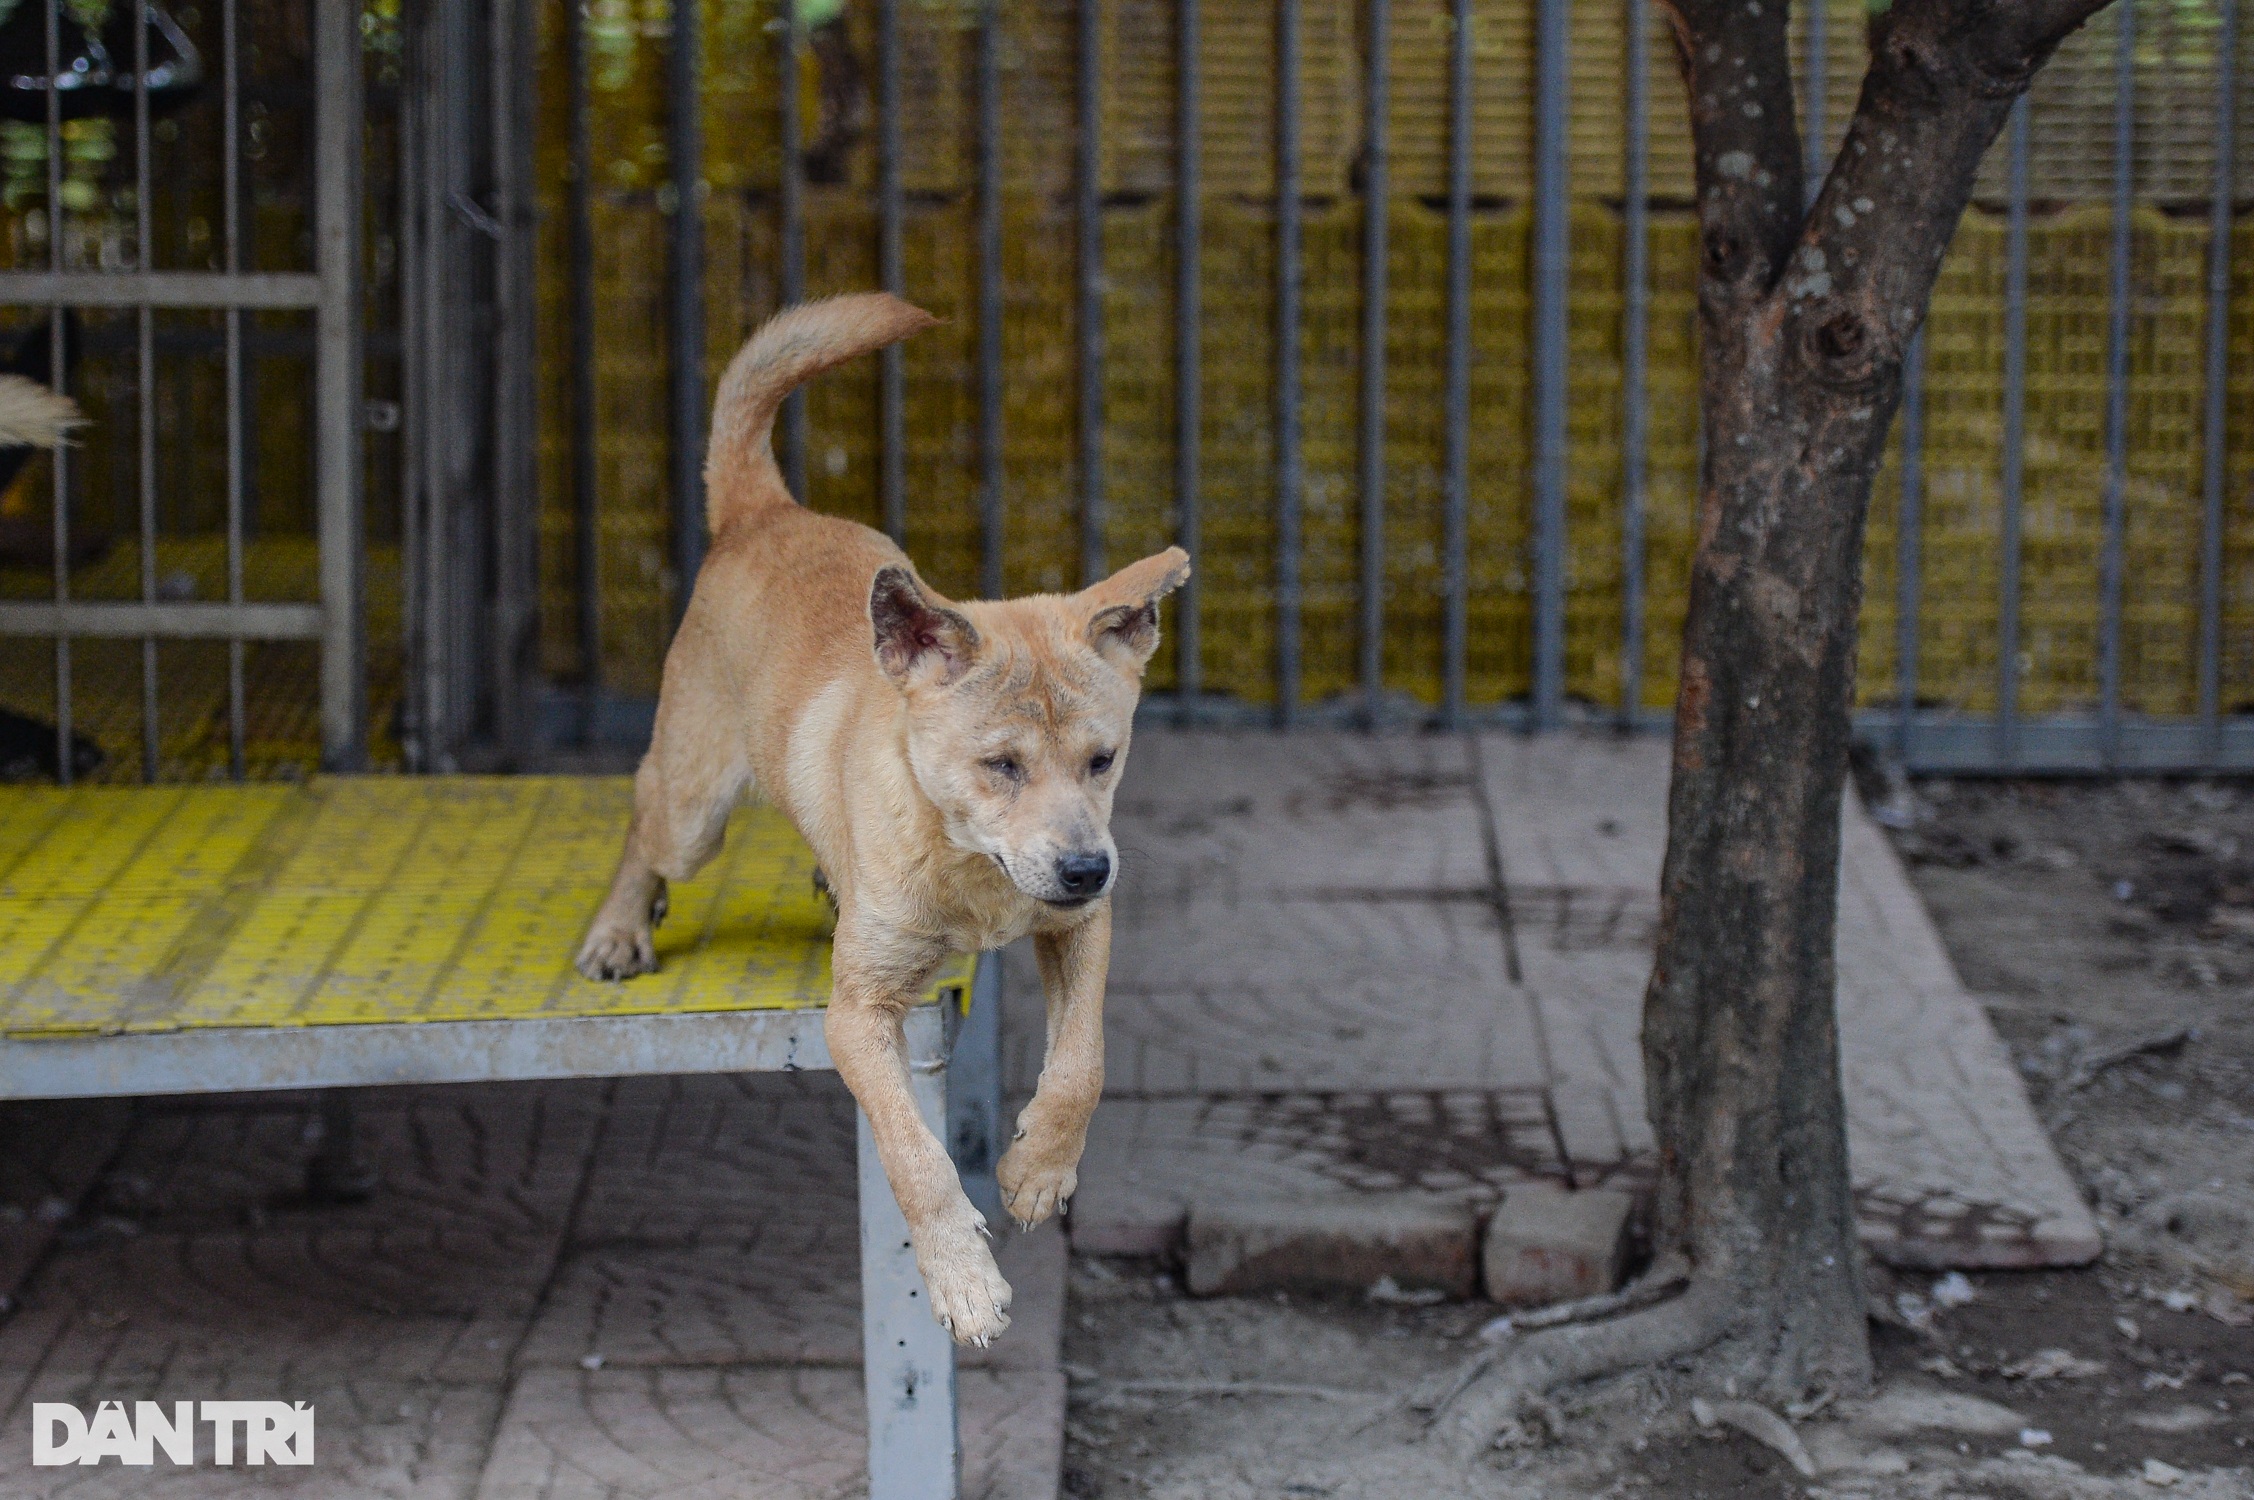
(952,767)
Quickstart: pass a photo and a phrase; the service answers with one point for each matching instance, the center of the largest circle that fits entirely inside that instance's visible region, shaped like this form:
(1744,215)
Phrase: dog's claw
(610,956)
(969,1298)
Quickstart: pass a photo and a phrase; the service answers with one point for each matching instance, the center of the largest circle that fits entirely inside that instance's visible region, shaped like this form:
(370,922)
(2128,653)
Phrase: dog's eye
(1099,763)
(1005,766)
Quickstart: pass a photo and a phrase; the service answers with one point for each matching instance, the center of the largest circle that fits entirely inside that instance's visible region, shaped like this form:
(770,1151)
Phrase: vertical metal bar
(2110,560)
(1552,218)
(145,382)
(793,204)
(1815,74)
(1635,393)
(907,1361)
(1189,372)
(684,148)
(2015,442)
(580,209)
(989,301)
(1456,498)
(418,165)
(1375,204)
(417,162)
(58,368)
(1090,322)
(892,421)
(430,172)
(1909,543)
(336,129)
(975,1132)
(230,193)
(511,668)
(2216,439)
(1290,479)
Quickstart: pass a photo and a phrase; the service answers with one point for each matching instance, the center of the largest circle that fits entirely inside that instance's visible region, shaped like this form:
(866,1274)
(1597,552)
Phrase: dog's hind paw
(968,1295)
(1033,1192)
(612,954)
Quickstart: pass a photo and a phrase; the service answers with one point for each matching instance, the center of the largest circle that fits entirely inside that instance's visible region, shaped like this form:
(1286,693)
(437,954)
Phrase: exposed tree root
(1470,1423)
(1760,1424)
(1660,1282)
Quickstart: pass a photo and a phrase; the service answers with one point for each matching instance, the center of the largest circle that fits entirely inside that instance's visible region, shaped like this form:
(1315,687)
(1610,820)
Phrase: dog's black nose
(1083,874)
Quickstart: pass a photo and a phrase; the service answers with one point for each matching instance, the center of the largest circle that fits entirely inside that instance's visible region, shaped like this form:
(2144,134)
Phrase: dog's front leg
(1042,1167)
(968,1294)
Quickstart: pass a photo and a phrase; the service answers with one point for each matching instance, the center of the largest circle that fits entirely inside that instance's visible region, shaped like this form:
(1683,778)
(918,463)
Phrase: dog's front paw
(968,1295)
(616,953)
(1035,1182)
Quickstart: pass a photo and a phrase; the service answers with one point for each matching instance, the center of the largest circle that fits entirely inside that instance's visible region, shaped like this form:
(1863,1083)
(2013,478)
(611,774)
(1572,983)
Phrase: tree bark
(1805,318)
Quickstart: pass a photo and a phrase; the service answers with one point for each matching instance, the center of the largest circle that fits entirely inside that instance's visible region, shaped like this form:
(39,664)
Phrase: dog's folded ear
(1123,609)
(917,638)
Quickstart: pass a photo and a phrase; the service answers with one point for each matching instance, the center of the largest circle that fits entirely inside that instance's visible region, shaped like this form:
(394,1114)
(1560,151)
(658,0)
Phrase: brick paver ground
(1353,963)
(693,1239)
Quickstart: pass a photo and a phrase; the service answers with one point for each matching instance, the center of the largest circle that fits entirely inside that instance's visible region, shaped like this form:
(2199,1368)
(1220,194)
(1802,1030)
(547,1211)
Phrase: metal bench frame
(954,1064)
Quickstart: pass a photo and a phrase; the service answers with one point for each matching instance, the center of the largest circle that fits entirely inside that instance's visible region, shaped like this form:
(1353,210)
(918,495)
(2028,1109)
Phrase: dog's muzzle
(1082,877)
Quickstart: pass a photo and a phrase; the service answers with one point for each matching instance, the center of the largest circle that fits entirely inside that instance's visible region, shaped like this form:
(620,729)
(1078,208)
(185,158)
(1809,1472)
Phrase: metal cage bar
(990,464)
(1089,321)
(2014,439)
(1635,399)
(145,392)
(1189,374)
(1815,78)
(58,369)
(1376,187)
(791,207)
(231,208)
(1290,479)
(1552,223)
(337,400)
(1909,544)
(2110,563)
(685,330)
(1456,397)
(580,294)
(2214,475)
(892,478)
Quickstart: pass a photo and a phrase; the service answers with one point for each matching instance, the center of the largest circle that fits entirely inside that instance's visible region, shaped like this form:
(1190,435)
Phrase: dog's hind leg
(968,1295)
(1042,1167)
(683,793)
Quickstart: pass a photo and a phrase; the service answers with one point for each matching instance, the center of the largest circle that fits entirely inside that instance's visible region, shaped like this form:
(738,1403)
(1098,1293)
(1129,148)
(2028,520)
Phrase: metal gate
(2043,680)
(133,281)
(2008,623)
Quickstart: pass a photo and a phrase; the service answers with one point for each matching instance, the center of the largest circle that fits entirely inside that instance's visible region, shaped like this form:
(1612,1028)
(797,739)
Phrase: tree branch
(1943,77)
(1737,69)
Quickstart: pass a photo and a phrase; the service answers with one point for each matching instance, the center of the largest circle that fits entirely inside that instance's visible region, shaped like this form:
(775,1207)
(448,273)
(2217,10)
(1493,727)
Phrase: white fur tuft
(32,416)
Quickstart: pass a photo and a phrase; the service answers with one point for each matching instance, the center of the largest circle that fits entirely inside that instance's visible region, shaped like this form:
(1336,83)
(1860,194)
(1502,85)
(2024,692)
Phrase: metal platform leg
(338,1173)
(975,1130)
(907,1358)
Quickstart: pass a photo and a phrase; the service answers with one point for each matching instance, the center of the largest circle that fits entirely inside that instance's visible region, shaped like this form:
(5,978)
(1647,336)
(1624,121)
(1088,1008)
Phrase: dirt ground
(2110,930)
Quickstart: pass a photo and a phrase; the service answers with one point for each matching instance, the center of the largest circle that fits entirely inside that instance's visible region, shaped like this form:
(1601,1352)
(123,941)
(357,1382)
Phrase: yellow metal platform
(355,900)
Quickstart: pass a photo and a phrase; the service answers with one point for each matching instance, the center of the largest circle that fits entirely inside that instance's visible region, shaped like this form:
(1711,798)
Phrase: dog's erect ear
(917,638)
(1123,609)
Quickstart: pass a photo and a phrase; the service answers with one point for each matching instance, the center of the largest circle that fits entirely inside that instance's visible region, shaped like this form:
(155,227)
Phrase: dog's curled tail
(791,348)
(32,416)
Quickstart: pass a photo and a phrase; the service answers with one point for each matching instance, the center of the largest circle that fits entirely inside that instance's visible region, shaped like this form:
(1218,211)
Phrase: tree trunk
(1805,317)
(1805,320)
